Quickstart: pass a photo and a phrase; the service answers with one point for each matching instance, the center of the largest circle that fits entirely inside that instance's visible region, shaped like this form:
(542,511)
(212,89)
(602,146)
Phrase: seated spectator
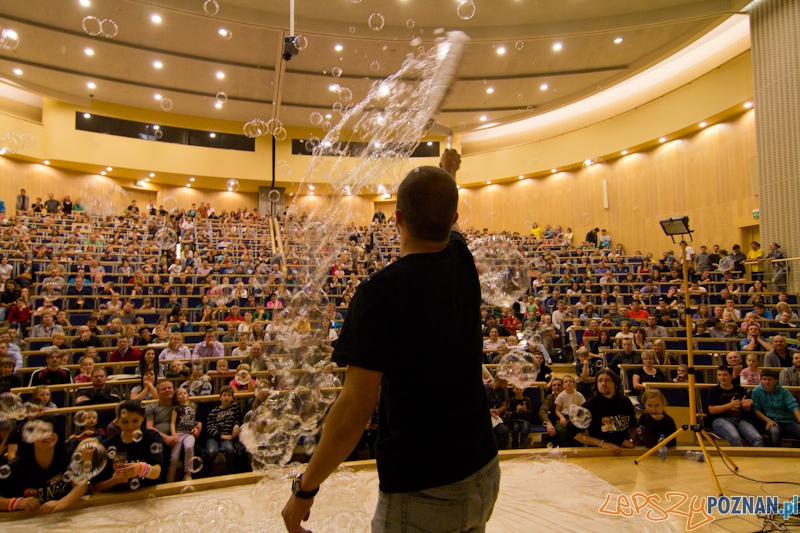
(585,370)
(654,422)
(790,377)
(494,340)
(86,367)
(210,347)
(85,339)
(182,325)
(520,409)
(654,330)
(184,428)
(62,320)
(682,374)
(198,384)
(780,355)
(648,373)
(43,395)
(734,361)
(124,352)
(613,425)
(146,390)
(99,392)
(636,312)
(52,374)
(776,407)
(220,368)
(137,457)
(497,398)
(510,321)
(149,360)
(235,315)
(662,357)
(243,381)
(47,327)
(8,378)
(222,430)
(750,375)
(90,430)
(728,406)
(59,343)
(640,341)
(626,357)
(34,482)
(625,331)
(176,369)
(491,322)
(19,315)
(567,398)
(175,350)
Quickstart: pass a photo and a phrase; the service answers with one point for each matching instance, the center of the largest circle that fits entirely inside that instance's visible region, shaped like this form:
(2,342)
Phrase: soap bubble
(165,238)
(187,490)
(171,206)
(5,471)
(226,34)
(242,378)
(312,143)
(274,196)
(158,134)
(415,41)
(309,445)
(166,104)
(79,418)
(88,460)
(134,483)
(502,270)
(519,45)
(345,94)
(211,7)
(517,369)
(352,29)
(355,1)
(375,66)
(580,416)
(36,430)
(108,28)
(376,21)
(279,134)
(300,42)
(221,295)
(410,23)
(464,211)
(102,197)
(92,25)
(195,465)
(137,436)
(112,452)
(466,9)
(67,477)
(336,71)
(222,97)
(156,448)
(9,40)
(151,497)
(316,118)
(232,185)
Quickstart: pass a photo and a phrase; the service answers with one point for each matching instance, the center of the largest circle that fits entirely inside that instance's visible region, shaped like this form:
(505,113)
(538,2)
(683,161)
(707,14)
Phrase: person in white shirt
(567,398)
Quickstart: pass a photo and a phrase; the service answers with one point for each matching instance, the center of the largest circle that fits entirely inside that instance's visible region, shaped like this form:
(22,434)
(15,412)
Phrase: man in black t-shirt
(435,277)
(613,425)
(591,237)
(728,407)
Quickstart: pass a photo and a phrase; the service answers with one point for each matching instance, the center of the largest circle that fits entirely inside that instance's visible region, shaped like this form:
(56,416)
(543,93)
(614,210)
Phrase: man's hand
(551,430)
(735,404)
(450,162)
(613,448)
(53,506)
(28,504)
(295,511)
(771,424)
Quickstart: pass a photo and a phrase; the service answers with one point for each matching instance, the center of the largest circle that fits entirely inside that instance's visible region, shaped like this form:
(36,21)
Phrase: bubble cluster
(36,430)
(88,460)
(165,238)
(211,7)
(502,270)
(232,185)
(9,40)
(11,407)
(466,9)
(11,143)
(260,128)
(580,416)
(96,26)
(166,104)
(376,21)
(100,196)
(518,369)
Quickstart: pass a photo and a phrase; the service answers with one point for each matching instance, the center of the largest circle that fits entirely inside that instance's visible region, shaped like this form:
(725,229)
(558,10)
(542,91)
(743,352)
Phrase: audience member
(728,406)
(776,407)
(654,422)
(613,425)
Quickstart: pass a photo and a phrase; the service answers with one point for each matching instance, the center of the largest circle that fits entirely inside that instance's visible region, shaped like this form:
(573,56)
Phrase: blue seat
(676,397)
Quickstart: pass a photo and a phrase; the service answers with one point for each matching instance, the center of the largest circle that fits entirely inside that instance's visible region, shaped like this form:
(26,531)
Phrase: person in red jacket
(19,316)
(124,352)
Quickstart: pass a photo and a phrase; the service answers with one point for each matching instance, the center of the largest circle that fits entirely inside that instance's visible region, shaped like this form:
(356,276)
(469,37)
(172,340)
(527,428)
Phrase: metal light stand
(698,429)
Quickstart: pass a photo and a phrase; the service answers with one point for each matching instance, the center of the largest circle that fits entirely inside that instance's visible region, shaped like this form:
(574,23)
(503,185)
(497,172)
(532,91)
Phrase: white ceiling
(259,84)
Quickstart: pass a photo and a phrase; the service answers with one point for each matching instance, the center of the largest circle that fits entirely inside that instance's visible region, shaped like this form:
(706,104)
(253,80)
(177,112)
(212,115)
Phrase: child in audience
(198,383)
(682,374)
(90,429)
(177,369)
(222,428)
(751,375)
(42,393)
(8,378)
(221,368)
(585,371)
(185,427)
(84,375)
(243,382)
(566,398)
(243,350)
(654,422)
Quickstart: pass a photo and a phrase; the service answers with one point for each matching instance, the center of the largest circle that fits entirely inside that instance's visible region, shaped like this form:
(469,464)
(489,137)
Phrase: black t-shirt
(719,396)
(414,447)
(66,207)
(12,381)
(28,479)
(142,451)
(650,430)
(611,418)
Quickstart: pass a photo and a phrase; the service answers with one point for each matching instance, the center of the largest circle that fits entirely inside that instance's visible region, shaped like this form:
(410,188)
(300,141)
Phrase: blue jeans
(519,432)
(790,430)
(464,506)
(734,430)
(213,447)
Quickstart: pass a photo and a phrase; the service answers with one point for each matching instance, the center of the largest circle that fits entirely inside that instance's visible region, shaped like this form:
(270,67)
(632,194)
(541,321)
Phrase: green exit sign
(756,213)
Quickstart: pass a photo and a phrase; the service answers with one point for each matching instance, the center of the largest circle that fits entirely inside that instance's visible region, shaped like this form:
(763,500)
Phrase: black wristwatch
(304,495)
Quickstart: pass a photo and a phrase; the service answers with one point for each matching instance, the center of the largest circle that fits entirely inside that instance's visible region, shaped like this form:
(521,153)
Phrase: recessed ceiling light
(147,180)
(328,115)
(703,124)
(218,105)
(748,105)
(483,118)
(88,52)
(430,143)
(46,161)
(18,71)
(311,187)
(212,135)
(458,186)
(220,75)
(522,177)
(85,3)
(188,184)
(490,90)
(87,115)
(488,183)
(156,127)
(501,50)
(338,48)
(333,87)
(152,175)
(624,152)
(157,96)
(544,87)
(158,64)
(156,19)
(109,169)
(91,85)
(557,47)
(618,40)
(662,140)
(223,32)
(103,173)
(191,179)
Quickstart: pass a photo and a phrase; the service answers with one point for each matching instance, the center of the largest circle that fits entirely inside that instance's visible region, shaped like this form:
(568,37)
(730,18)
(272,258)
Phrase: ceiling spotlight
(544,87)
(311,187)
(488,183)
(490,90)
(618,40)
(103,173)
(662,140)
(191,179)
(430,143)
(87,115)
(338,48)
(85,3)
(88,52)
(188,184)
(155,127)
(18,71)
(748,105)
(220,75)
(91,85)
(46,161)
(557,47)
(109,169)
(223,32)
(624,152)
(152,175)
(212,135)
(483,118)
(147,180)
(218,105)
(158,64)
(156,19)
(501,50)
(703,124)
(328,115)
(553,171)
(522,177)
(157,96)
(333,87)
(458,186)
